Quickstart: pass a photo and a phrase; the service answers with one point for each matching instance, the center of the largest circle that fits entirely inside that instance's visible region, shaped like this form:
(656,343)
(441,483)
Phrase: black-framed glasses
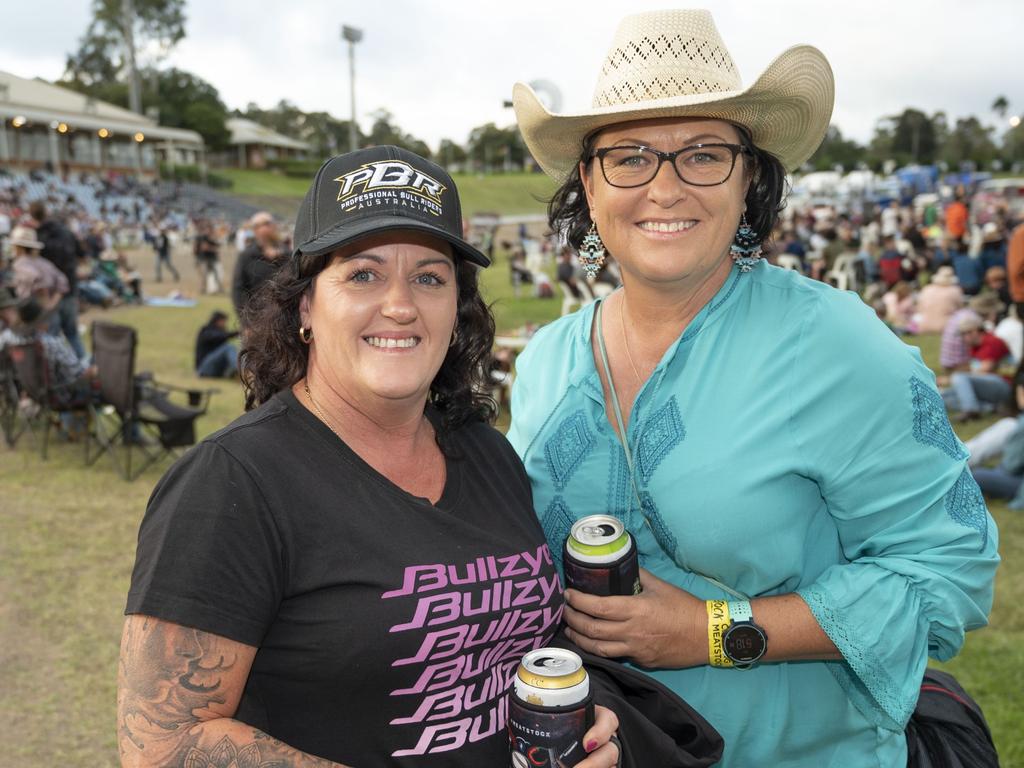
(702,165)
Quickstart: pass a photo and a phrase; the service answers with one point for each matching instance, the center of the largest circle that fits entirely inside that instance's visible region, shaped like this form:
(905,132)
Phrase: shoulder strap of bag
(624,440)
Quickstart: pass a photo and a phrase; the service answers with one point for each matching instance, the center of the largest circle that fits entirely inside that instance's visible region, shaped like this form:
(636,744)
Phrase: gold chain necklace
(625,341)
(323,418)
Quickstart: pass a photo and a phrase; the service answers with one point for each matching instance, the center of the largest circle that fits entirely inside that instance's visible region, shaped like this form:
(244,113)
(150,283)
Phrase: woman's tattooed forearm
(177,692)
(262,752)
(171,678)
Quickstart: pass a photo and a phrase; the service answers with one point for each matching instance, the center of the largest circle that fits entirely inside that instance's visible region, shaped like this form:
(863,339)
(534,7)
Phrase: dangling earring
(746,247)
(305,334)
(591,252)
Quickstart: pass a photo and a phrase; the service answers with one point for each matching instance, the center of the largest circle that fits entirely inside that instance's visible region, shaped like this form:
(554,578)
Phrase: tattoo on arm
(226,754)
(178,689)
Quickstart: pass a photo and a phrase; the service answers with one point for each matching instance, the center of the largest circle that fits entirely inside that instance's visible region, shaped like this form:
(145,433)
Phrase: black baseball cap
(375,190)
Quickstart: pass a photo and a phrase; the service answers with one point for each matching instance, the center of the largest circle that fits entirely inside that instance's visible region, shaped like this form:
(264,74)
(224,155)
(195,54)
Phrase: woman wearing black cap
(351,570)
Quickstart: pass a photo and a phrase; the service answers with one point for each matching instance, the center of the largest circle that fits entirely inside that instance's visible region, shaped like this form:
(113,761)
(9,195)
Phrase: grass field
(67,541)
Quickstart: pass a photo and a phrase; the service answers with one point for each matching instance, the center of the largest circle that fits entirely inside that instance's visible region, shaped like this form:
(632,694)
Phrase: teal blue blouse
(786,442)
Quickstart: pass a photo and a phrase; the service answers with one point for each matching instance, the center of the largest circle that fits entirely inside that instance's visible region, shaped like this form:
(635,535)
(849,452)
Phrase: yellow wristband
(718,622)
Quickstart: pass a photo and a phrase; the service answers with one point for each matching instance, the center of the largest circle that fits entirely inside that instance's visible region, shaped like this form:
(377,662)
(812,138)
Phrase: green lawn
(67,540)
(508,193)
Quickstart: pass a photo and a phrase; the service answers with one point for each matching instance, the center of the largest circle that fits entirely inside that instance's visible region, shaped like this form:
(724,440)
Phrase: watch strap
(739,610)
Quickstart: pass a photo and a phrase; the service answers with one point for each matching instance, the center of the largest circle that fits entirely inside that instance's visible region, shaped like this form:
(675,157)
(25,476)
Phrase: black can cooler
(600,557)
(550,710)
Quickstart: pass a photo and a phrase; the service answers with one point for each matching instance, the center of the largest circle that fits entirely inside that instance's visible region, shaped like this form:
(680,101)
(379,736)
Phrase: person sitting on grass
(982,388)
(954,354)
(939,300)
(216,357)
(1006,438)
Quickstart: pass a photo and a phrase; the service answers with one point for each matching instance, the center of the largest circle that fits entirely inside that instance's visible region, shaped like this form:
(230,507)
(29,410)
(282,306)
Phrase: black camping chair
(9,398)
(136,412)
(36,400)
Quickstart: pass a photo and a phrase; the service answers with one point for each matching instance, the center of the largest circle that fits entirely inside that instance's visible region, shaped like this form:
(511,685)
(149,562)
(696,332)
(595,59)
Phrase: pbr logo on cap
(378,189)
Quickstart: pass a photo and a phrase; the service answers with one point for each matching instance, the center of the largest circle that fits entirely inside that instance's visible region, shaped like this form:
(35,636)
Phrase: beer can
(600,557)
(550,710)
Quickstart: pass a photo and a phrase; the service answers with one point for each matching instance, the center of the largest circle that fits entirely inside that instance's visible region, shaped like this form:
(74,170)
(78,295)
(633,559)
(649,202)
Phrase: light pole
(352,36)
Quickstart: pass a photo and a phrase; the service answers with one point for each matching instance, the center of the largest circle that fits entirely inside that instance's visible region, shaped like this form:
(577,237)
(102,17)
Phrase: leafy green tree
(1013,144)
(326,134)
(969,142)
(451,154)
(101,57)
(185,100)
(879,149)
(384,131)
(492,148)
(835,150)
(1000,105)
(284,117)
(913,138)
(940,124)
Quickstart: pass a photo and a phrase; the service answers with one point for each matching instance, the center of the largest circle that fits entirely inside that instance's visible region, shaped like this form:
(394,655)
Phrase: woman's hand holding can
(662,627)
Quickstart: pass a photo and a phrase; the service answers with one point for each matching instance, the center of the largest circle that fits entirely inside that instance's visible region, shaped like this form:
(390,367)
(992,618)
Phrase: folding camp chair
(10,418)
(37,401)
(136,412)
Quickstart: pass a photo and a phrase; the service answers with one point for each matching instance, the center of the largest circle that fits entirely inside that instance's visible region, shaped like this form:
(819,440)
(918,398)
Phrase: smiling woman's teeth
(377,341)
(666,226)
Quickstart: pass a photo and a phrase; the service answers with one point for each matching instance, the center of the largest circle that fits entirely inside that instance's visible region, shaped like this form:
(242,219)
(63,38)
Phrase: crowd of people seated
(930,269)
(74,244)
(939,270)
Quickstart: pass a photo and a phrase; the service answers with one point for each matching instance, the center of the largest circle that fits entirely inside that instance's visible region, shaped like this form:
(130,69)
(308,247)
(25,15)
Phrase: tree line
(100,67)
(913,137)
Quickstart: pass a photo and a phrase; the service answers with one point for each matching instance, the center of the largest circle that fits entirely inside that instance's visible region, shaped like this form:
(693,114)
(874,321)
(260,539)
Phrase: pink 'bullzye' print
(476,619)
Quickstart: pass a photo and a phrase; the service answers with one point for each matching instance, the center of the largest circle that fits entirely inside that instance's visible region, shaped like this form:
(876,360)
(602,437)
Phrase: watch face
(744,643)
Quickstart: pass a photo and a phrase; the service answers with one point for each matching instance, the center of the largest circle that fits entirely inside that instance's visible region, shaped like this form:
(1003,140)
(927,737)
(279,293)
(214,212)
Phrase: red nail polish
(591,745)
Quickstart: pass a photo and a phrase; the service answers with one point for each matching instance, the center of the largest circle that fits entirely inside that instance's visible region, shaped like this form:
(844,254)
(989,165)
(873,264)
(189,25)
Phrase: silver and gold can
(600,557)
(550,710)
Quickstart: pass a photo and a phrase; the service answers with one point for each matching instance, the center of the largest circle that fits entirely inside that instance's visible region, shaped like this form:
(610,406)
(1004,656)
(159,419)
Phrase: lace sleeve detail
(885,693)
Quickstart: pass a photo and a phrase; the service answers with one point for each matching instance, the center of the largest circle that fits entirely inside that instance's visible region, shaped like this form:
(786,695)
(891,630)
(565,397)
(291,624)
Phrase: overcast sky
(443,67)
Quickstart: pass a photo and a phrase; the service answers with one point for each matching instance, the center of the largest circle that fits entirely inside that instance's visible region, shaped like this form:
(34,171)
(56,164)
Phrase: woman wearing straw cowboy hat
(784,462)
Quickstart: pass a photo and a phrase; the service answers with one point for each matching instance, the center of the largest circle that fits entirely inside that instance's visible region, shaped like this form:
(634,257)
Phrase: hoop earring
(746,246)
(305,334)
(592,252)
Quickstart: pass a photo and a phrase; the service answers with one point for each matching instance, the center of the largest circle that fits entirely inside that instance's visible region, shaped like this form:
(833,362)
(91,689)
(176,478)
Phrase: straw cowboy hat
(26,237)
(674,64)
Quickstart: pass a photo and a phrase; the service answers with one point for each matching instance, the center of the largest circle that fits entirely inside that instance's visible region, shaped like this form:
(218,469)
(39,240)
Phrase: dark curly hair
(273,358)
(569,213)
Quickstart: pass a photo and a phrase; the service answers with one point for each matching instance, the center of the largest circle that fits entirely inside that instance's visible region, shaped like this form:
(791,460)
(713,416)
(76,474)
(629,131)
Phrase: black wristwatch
(744,642)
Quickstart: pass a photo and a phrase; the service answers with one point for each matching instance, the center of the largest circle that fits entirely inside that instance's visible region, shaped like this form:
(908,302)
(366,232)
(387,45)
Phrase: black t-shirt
(388,628)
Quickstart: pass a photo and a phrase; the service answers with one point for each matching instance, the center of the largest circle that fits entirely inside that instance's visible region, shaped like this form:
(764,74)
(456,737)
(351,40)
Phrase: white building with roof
(45,125)
(256,144)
